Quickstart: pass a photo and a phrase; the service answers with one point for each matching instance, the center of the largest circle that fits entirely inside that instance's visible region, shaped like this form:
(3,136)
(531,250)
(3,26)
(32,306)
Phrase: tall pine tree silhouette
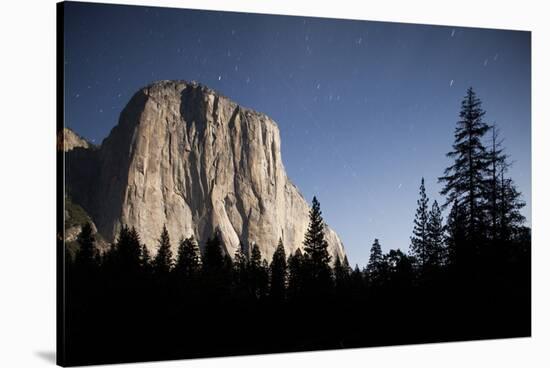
(257,272)
(129,252)
(278,273)
(118,260)
(375,266)
(419,240)
(213,255)
(145,260)
(295,274)
(86,257)
(435,236)
(240,269)
(464,181)
(455,230)
(503,199)
(188,259)
(316,247)
(509,205)
(215,267)
(255,257)
(342,273)
(162,264)
(497,163)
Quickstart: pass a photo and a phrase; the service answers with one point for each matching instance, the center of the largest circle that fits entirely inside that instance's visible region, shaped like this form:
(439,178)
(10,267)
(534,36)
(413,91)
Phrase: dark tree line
(466,276)
(247,273)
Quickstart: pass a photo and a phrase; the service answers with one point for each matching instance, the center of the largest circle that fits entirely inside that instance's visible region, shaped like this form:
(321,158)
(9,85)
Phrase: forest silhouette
(465,276)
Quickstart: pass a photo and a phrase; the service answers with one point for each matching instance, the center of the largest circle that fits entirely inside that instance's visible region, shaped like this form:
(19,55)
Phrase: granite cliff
(185,156)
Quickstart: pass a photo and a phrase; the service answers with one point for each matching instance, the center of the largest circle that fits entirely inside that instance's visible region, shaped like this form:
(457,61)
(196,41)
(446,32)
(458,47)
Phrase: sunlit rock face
(189,158)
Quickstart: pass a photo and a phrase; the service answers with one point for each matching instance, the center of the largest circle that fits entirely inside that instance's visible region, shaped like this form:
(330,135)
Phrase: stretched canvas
(235,183)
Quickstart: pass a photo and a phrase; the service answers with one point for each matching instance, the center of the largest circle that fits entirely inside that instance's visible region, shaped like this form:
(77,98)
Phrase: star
(485,62)
(359,40)
(451,82)
(453,33)
(219,77)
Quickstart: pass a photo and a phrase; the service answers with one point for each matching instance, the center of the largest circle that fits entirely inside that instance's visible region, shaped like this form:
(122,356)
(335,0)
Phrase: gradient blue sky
(365,109)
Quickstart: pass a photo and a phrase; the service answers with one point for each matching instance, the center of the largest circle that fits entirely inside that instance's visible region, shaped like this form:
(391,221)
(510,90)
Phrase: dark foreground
(114,317)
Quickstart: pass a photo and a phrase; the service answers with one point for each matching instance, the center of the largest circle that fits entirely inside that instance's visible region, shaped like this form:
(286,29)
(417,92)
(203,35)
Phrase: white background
(27,182)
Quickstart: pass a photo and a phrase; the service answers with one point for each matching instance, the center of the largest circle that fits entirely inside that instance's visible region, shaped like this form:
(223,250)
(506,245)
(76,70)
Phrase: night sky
(365,109)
